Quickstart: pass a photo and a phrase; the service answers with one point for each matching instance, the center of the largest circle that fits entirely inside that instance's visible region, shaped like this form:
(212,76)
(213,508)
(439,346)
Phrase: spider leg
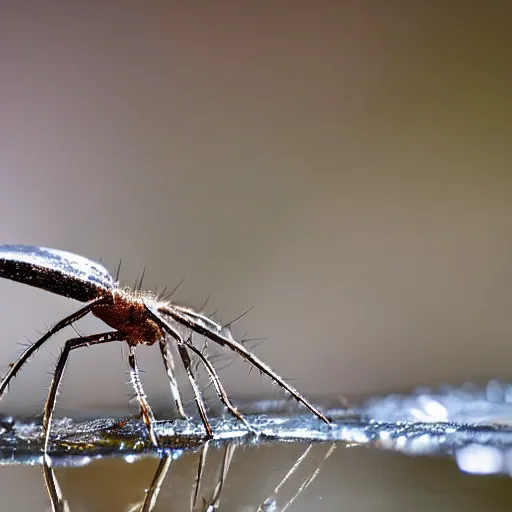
(219,388)
(197,323)
(29,351)
(147,413)
(168,359)
(70,345)
(187,363)
(58,503)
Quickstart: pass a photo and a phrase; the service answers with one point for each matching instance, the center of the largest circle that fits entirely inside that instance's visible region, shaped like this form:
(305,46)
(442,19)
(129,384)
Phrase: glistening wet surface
(436,450)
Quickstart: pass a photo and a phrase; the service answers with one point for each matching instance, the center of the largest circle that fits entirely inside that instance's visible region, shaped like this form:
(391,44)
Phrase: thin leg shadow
(210,504)
(58,503)
(214,501)
(149,502)
(269,504)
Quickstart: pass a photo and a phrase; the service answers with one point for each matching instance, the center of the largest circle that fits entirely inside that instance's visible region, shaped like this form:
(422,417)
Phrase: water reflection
(201,500)
(352,479)
(153,491)
(232,473)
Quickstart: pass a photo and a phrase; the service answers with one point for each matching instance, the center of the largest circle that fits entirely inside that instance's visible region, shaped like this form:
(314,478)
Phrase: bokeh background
(343,167)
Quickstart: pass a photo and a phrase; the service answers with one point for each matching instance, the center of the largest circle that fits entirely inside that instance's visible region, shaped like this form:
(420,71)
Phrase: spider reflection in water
(210,500)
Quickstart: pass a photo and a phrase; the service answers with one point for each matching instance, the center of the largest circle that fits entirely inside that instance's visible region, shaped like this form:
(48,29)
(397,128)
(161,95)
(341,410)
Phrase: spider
(136,317)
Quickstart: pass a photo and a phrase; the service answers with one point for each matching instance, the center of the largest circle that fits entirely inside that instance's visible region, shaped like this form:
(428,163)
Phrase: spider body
(126,312)
(59,272)
(136,318)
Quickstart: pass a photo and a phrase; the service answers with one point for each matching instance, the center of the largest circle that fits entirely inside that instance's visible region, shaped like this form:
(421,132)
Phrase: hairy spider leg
(170,368)
(197,324)
(72,344)
(57,501)
(187,363)
(182,346)
(219,388)
(27,353)
(147,413)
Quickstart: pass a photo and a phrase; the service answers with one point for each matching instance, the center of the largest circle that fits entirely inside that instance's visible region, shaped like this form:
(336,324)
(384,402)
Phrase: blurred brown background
(344,167)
